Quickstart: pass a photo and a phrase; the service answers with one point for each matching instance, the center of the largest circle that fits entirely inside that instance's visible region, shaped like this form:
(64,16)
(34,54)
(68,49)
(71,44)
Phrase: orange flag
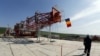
(68,22)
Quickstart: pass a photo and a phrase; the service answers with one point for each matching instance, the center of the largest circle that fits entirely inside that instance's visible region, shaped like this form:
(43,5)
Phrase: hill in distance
(2,30)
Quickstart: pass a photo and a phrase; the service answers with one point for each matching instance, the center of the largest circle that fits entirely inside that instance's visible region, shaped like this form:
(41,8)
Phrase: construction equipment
(33,24)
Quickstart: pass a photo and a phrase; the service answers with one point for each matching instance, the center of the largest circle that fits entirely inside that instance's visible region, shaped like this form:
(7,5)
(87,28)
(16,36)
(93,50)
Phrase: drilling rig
(33,24)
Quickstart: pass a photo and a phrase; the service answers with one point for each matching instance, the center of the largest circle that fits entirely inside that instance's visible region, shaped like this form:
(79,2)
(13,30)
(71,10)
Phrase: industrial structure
(32,25)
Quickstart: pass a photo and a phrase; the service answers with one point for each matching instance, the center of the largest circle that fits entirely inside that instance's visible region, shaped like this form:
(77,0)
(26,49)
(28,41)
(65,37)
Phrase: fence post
(61,50)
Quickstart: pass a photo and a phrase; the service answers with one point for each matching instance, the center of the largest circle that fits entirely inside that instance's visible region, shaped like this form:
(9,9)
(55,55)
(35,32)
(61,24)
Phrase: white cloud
(94,8)
(97,3)
(93,22)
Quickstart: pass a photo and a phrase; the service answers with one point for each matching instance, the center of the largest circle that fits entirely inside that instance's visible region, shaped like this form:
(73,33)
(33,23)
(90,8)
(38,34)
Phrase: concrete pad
(22,47)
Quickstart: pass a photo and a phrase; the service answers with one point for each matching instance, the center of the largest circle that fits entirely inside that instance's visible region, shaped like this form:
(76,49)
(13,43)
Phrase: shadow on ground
(79,55)
(18,40)
(23,42)
(81,49)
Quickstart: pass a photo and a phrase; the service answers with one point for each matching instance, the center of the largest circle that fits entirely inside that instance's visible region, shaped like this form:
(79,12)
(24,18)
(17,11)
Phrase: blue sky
(84,14)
